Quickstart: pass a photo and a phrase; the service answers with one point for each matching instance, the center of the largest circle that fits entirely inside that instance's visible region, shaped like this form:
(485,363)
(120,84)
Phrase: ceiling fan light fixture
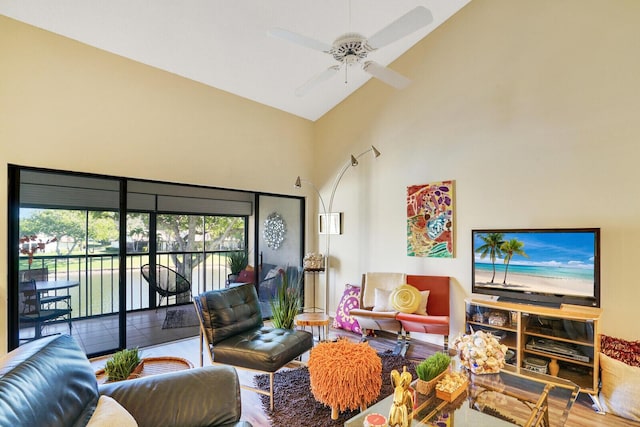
(353,48)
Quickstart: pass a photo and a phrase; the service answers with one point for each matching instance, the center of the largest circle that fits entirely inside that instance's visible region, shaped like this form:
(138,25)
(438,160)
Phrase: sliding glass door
(102,257)
(67,263)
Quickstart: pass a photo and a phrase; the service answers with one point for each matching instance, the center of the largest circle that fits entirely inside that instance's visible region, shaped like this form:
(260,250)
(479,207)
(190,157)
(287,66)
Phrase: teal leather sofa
(50,382)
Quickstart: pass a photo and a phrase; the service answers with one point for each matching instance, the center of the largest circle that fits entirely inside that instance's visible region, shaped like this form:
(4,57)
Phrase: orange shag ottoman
(345,375)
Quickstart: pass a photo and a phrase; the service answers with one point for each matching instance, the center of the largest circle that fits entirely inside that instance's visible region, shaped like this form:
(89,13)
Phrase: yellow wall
(64,105)
(532,108)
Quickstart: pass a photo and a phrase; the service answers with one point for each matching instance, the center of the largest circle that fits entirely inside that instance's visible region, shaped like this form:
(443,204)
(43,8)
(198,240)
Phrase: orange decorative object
(345,375)
(375,420)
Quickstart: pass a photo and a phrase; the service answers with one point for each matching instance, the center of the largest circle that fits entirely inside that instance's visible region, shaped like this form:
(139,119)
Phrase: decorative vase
(426,387)
(554,367)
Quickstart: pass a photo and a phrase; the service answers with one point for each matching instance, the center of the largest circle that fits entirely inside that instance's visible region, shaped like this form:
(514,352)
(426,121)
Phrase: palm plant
(287,303)
(237,261)
(492,247)
(510,248)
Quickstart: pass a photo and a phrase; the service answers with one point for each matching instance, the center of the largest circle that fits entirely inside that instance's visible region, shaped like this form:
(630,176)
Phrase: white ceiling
(224,44)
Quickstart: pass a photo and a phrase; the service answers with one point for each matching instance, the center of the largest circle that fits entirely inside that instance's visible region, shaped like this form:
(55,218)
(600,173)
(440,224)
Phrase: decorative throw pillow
(620,392)
(622,350)
(110,413)
(381,300)
(424,299)
(405,299)
(274,272)
(246,276)
(350,299)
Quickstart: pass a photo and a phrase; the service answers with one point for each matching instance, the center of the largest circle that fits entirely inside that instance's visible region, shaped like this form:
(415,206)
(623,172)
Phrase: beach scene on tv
(542,262)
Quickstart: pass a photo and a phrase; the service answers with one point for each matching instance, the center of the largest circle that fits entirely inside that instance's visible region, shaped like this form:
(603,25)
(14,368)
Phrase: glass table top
(491,400)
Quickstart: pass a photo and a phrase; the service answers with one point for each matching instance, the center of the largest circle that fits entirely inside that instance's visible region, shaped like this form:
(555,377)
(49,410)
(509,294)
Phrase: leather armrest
(208,396)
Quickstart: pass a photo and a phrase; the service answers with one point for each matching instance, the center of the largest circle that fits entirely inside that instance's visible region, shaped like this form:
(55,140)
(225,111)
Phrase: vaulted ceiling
(225,44)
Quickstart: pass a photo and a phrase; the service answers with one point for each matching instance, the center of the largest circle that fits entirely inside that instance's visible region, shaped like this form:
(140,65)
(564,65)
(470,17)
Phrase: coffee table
(492,400)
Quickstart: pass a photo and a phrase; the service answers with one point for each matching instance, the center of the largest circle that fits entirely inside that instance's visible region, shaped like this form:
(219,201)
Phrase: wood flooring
(581,415)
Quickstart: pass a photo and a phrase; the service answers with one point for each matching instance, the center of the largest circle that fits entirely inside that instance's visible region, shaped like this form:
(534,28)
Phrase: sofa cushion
(37,376)
(405,299)
(381,301)
(246,276)
(620,391)
(424,301)
(350,299)
(264,349)
(110,413)
(620,349)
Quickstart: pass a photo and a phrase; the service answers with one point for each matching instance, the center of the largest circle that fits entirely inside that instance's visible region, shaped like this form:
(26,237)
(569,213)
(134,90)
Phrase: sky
(568,249)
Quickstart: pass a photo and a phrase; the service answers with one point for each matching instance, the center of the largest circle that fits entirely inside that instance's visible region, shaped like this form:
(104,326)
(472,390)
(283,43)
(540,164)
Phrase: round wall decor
(274,231)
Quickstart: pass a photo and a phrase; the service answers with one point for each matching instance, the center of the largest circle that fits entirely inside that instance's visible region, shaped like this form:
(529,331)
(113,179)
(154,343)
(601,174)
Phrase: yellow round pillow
(405,299)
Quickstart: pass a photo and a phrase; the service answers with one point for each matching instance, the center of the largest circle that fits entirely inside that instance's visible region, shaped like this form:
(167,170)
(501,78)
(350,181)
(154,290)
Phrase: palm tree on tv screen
(510,248)
(491,247)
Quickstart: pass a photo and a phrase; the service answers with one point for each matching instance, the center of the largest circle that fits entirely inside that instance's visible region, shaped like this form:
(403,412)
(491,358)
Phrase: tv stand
(566,338)
(527,302)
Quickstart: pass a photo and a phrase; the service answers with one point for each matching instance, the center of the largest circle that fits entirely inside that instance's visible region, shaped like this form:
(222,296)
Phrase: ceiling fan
(353,48)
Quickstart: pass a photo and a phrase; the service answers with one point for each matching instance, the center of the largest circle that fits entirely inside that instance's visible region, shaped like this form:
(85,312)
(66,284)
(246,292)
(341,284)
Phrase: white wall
(532,108)
(67,106)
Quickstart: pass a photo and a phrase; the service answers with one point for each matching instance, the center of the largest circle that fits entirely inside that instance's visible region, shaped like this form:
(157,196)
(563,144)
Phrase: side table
(321,320)
(314,272)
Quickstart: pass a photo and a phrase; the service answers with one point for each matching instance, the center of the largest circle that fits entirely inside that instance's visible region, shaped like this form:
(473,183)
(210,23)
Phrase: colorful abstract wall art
(430,220)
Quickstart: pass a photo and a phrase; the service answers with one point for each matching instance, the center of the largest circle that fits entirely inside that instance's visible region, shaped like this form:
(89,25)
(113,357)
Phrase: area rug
(182,318)
(294,405)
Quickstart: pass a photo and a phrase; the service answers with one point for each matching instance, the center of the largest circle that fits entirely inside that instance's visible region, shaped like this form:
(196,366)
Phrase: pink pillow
(350,299)
(246,276)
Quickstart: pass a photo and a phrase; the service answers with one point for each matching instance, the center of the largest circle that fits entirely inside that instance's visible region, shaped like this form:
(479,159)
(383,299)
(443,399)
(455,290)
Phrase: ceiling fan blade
(387,75)
(299,39)
(313,82)
(403,26)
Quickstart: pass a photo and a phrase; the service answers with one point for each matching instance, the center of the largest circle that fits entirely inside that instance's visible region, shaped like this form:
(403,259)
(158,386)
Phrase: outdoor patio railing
(98,276)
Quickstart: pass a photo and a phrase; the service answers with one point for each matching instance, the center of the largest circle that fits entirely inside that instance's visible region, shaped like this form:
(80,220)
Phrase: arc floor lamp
(352,162)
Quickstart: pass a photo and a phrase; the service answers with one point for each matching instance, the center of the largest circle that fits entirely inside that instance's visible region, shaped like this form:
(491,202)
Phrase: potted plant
(123,365)
(430,371)
(287,302)
(238,261)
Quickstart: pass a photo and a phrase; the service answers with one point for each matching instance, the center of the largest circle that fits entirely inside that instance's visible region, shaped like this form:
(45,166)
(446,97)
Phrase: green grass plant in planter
(120,366)
(287,303)
(237,261)
(430,371)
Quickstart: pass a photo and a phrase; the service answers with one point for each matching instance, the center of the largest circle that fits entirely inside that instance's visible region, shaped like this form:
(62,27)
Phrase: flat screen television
(538,266)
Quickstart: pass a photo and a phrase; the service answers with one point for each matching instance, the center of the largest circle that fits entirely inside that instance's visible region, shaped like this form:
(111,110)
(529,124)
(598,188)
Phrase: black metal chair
(31,311)
(166,282)
(42,275)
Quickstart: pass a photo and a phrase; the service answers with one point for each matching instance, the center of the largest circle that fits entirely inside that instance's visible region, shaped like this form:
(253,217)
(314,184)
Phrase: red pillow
(622,350)
(350,299)
(246,276)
